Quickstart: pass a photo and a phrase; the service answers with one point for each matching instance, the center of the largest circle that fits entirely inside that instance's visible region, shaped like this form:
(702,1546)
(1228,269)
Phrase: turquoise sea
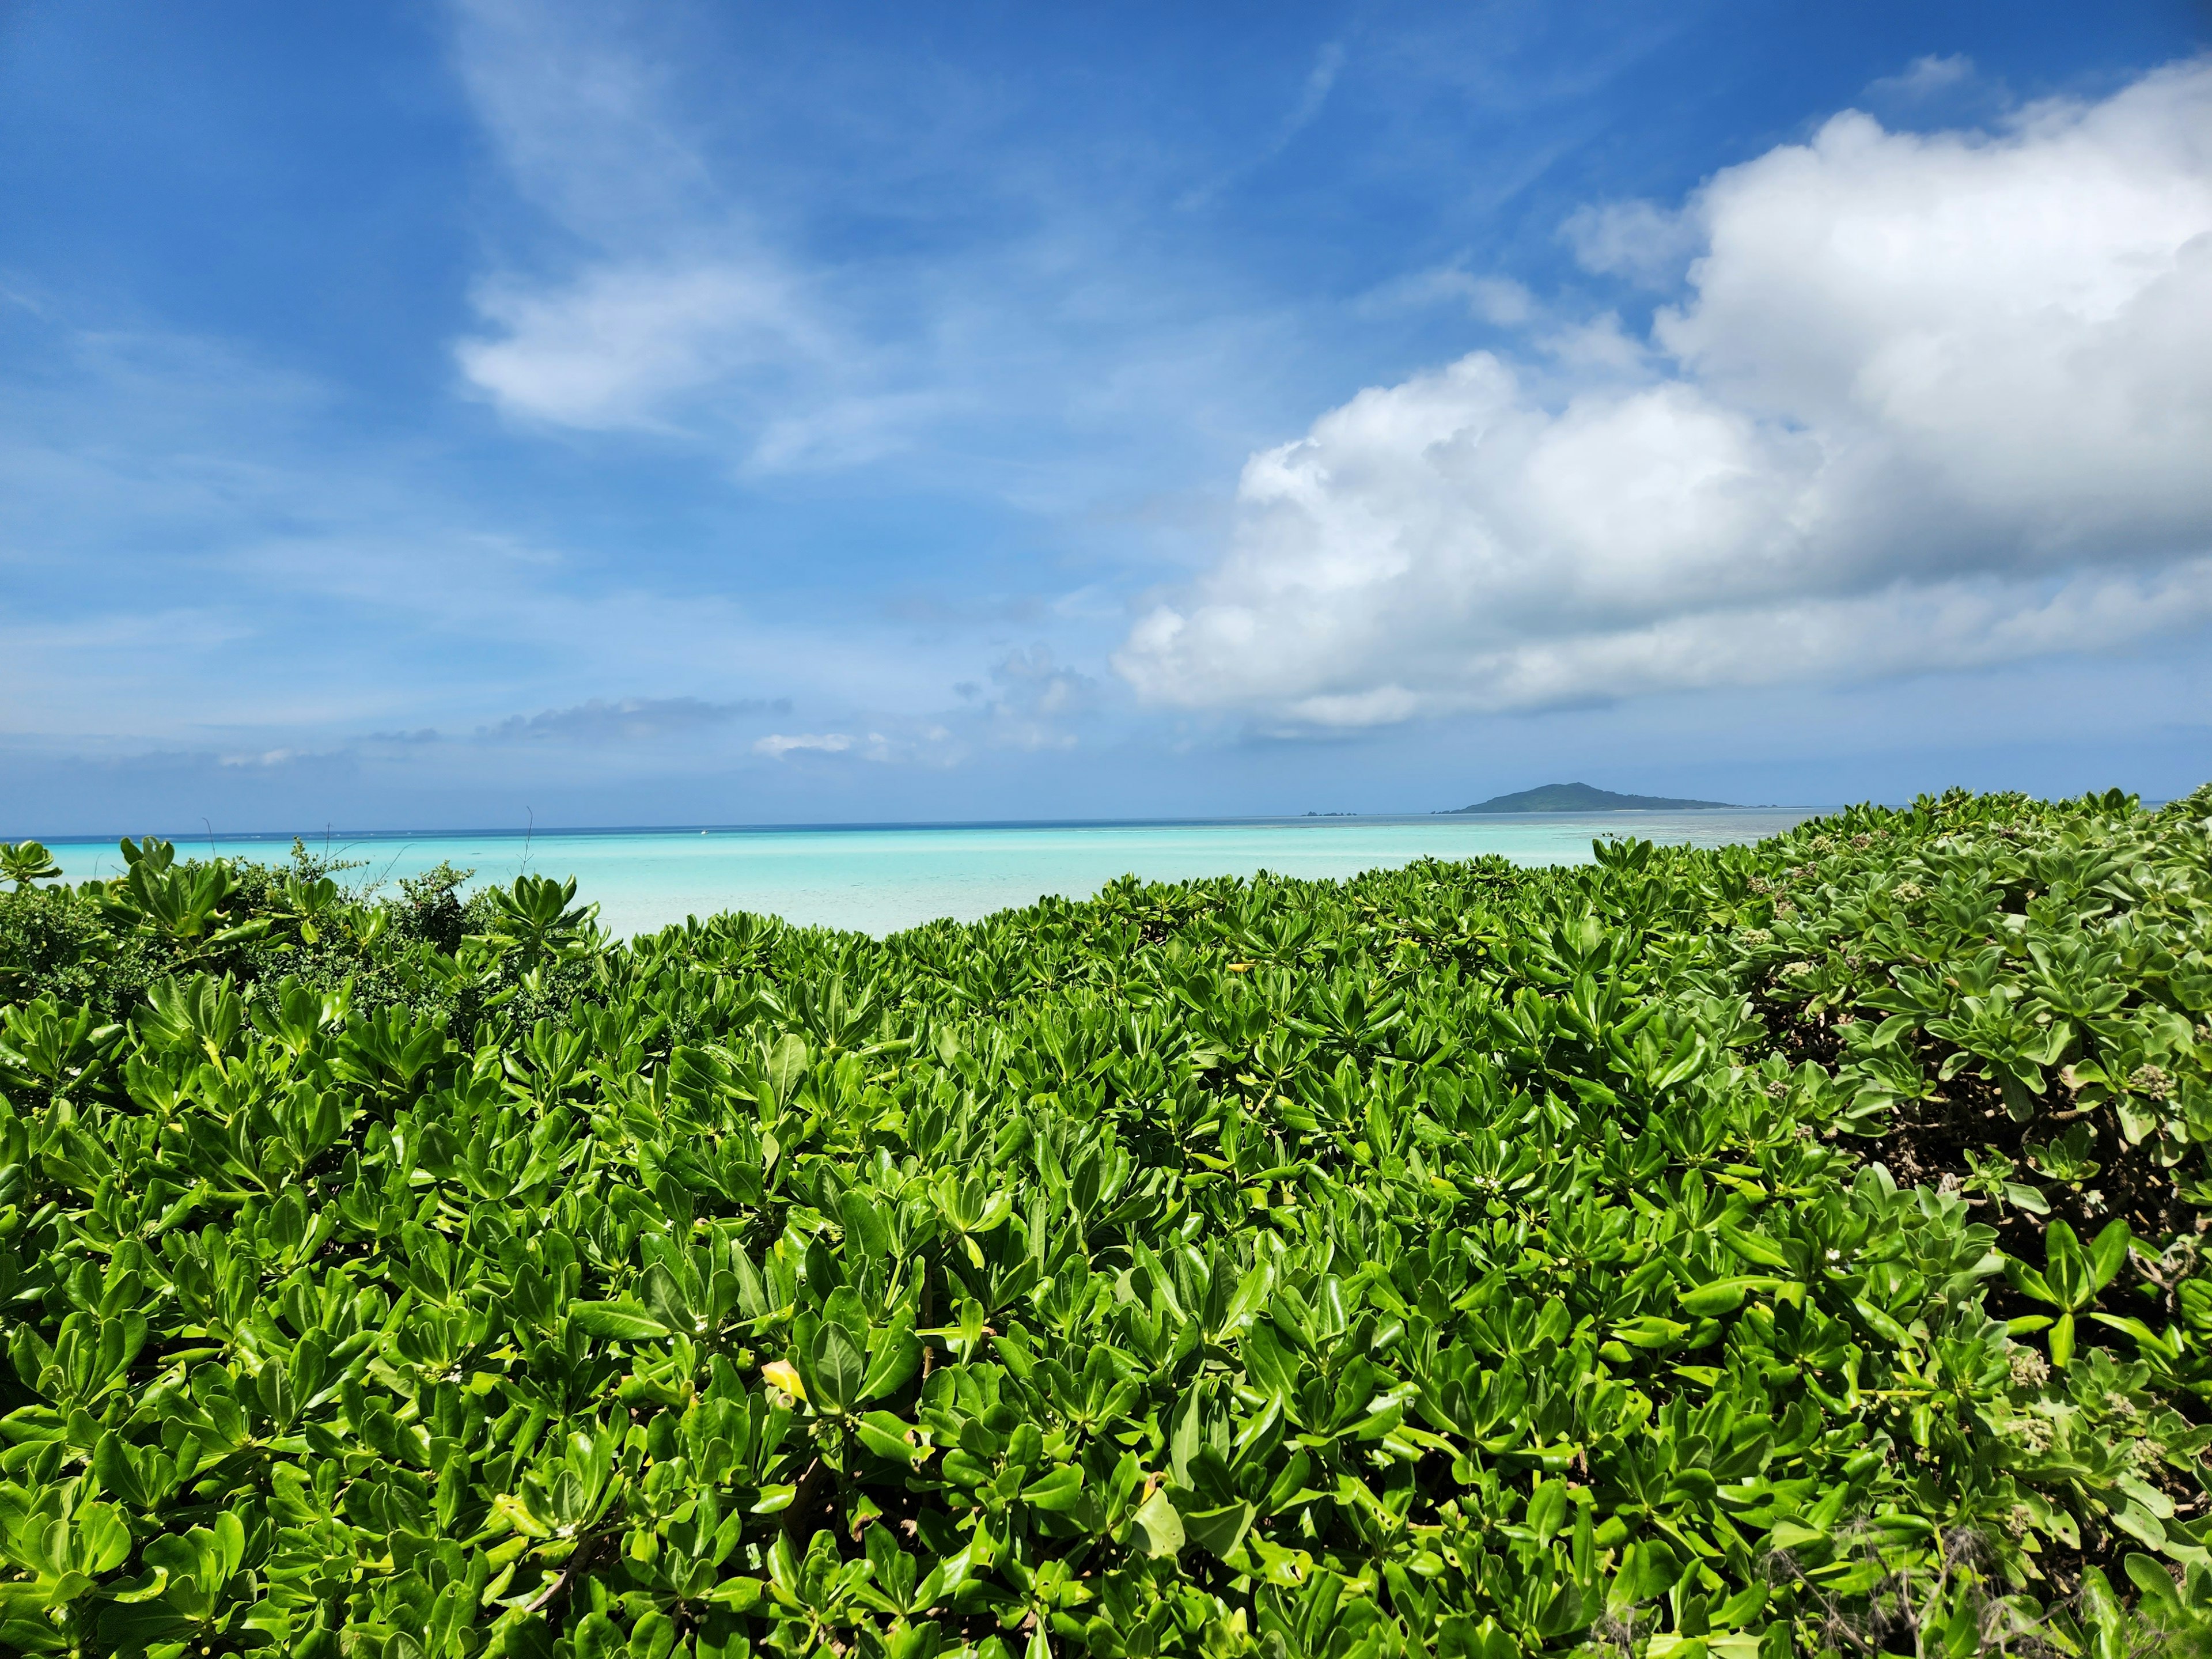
(880,879)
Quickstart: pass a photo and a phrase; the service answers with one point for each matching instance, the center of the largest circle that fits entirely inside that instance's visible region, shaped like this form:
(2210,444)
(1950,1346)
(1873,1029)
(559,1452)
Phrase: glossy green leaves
(1462,1261)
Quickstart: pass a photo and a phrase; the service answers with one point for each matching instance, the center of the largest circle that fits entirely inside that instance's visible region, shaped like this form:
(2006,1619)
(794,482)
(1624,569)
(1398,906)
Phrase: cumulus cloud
(1928,401)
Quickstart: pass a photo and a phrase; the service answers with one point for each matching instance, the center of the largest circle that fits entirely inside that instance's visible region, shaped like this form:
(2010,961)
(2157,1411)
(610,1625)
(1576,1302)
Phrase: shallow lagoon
(878,879)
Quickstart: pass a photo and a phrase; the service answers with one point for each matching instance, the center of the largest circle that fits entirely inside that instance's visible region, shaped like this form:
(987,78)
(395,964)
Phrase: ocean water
(878,880)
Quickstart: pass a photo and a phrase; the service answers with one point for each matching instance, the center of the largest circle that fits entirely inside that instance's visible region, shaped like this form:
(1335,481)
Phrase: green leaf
(1648,1568)
(1721,1296)
(786,1064)
(1060,1490)
(840,1370)
(2066,1270)
(2167,1347)
(146,1586)
(896,1355)
(2108,1253)
(2028,1282)
(621,1322)
(1882,1324)
(1649,1331)
(1219,1530)
(35,1636)
(2061,1342)
(1753,1246)
(887,1437)
(1158,1525)
(599,1638)
(1182,1444)
(1548,1509)
(2139,1524)
(2154,1583)
(1273,1366)
(738,1595)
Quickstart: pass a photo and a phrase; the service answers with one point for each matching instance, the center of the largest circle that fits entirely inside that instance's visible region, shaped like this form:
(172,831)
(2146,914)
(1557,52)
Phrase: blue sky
(419,416)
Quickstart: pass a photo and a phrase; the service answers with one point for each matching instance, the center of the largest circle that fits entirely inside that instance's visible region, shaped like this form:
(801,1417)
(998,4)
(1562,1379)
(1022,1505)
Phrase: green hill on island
(1582,798)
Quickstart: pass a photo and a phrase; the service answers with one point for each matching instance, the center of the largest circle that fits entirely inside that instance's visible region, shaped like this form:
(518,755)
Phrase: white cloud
(867,258)
(618,344)
(628,719)
(1925,76)
(1320,80)
(1929,402)
(675,293)
(581,119)
(1497,300)
(777,744)
(1033,699)
(1640,240)
(908,743)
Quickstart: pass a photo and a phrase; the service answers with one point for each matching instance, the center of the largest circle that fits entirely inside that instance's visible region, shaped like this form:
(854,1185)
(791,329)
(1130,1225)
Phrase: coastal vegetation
(1789,1250)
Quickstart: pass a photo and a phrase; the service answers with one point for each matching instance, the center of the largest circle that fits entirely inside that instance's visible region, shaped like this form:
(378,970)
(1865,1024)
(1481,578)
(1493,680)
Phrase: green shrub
(55,941)
(1710,1256)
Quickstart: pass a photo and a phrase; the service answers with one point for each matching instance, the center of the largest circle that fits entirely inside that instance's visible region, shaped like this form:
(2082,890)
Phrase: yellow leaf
(782,1374)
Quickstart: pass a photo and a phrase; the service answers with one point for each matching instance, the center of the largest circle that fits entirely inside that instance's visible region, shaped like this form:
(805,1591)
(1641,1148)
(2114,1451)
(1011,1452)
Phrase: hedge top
(1728,1254)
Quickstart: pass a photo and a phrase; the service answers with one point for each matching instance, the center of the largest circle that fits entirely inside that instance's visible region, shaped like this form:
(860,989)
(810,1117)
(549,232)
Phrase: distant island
(1582,798)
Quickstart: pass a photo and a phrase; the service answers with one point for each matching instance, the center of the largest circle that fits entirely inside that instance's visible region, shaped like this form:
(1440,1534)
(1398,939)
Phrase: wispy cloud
(1925,77)
(673,292)
(267,582)
(625,344)
(894,266)
(628,719)
(1035,702)
(1500,300)
(777,744)
(1319,81)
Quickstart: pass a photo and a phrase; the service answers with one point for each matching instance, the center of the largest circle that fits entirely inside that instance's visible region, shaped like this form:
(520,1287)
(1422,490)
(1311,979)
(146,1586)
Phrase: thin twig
(537,1603)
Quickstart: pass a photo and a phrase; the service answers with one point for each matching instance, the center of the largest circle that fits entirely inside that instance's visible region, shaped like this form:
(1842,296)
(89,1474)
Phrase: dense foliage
(1775,1250)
